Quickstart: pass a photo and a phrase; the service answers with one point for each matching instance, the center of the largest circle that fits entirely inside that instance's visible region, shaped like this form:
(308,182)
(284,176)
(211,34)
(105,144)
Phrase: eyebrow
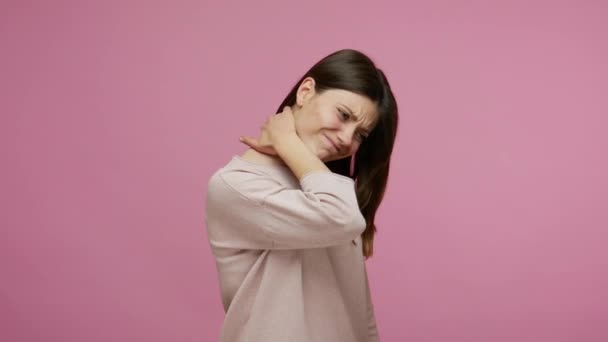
(353,114)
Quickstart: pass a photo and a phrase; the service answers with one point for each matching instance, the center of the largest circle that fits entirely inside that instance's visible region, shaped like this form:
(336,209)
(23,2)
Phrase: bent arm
(251,210)
(298,156)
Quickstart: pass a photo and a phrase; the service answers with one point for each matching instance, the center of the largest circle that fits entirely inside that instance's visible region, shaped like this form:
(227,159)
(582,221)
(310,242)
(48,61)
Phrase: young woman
(291,221)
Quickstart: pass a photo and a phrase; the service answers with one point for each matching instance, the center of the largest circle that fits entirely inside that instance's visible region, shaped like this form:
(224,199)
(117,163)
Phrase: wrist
(298,157)
(285,137)
(285,143)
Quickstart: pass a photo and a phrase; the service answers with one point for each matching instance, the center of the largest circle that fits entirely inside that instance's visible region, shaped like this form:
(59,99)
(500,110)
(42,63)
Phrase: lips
(332,144)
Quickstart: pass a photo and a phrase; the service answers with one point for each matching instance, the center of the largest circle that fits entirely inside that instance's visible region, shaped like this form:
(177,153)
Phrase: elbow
(352,222)
(359,223)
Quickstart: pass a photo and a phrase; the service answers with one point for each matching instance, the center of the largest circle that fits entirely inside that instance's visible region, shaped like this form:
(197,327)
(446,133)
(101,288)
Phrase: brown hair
(353,71)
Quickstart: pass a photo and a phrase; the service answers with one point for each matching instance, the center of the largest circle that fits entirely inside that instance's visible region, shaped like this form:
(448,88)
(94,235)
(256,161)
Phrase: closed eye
(344,116)
(361,137)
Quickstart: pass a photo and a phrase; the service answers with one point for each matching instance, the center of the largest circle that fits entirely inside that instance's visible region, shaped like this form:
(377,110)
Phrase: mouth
(332,144)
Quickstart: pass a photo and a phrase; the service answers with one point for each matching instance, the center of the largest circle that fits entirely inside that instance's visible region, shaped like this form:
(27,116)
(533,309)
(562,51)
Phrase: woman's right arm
(251,210)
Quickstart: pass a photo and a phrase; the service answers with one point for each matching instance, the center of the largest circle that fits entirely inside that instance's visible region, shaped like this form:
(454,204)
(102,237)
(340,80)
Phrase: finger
(249,141)
(254,144)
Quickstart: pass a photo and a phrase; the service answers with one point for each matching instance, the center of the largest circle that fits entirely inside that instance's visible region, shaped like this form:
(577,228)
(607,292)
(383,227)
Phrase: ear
(306,91)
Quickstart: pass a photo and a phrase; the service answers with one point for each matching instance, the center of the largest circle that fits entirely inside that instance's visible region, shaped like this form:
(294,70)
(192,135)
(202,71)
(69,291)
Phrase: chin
(324,157)
(330,158)
(327,156)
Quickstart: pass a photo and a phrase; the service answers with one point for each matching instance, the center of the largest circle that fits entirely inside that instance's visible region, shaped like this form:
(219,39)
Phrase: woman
(291,221)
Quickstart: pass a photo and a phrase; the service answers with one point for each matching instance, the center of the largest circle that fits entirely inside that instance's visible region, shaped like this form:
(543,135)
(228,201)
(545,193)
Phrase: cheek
(329,120)
(309,130)
(316,119)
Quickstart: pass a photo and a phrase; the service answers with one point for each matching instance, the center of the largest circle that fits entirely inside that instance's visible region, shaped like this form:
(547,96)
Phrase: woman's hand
(274,130)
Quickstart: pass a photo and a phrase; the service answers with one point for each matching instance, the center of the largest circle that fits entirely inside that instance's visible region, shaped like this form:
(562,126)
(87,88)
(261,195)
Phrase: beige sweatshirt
(287,267)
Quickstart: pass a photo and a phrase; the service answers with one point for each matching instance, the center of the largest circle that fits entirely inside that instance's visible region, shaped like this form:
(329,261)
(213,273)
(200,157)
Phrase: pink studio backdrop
(115,113)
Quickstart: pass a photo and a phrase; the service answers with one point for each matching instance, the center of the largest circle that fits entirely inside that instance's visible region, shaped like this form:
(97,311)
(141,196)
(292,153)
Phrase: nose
(345,138)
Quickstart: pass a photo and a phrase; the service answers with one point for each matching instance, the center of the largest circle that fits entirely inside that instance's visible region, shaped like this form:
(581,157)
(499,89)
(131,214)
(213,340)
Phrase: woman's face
(334,123)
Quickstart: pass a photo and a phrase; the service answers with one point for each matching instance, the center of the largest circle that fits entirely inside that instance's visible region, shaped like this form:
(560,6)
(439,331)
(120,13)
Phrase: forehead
(361,106)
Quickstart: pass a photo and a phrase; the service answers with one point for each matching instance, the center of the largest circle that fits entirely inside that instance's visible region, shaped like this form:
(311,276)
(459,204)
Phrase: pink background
(115,113)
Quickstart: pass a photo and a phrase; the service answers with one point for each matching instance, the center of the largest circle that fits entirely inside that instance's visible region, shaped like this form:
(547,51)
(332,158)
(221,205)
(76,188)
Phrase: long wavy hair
(353,71)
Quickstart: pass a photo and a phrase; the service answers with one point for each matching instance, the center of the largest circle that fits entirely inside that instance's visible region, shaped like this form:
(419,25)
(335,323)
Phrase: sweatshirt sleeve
(251,210)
